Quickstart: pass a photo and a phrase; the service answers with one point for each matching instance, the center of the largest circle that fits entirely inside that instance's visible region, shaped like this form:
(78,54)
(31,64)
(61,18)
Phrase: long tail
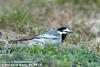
(20,40)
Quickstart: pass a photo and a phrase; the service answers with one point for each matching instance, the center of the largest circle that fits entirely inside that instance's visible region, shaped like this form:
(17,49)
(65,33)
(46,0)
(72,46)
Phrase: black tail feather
(20,40)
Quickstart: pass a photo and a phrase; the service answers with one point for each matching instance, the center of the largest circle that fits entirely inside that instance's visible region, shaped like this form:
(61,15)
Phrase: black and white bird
(54,37)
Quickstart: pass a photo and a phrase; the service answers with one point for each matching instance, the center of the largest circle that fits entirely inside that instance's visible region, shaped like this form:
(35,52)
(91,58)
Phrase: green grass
(52,55)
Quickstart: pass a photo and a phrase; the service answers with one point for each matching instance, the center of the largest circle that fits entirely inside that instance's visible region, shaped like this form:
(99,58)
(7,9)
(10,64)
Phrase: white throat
(62,32)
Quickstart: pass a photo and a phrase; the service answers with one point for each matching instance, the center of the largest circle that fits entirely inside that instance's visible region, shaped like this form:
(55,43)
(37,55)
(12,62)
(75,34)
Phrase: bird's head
(63,31)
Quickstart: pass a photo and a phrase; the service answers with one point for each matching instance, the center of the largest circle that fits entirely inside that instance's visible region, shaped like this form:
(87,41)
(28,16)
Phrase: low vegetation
(51,55)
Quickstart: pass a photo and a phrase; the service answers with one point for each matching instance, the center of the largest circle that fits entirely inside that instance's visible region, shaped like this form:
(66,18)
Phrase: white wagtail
(54,37)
